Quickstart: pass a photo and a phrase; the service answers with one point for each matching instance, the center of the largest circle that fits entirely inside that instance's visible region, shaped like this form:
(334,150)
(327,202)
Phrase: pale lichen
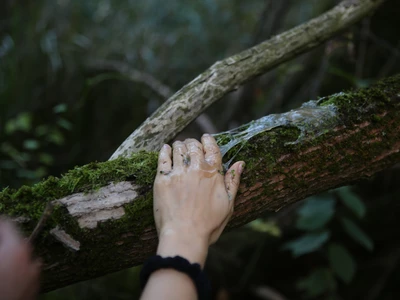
(311,119)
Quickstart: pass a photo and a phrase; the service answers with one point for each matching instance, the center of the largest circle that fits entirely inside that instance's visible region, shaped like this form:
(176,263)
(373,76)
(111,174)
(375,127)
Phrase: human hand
(193,200)
(19,274)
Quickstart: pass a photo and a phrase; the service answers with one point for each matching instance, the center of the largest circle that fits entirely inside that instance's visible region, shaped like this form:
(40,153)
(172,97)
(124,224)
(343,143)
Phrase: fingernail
(241,167)
(165,146)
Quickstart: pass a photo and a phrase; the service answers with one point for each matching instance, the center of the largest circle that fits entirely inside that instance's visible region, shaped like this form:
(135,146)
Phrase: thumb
(232,178)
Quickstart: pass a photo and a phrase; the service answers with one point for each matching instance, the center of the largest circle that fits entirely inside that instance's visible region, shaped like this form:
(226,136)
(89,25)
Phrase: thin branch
(132,74)
(203,121)
(362,48)
(392,262)
(267,293)
(384,44)
(320,74)
(227,75)
(390,63)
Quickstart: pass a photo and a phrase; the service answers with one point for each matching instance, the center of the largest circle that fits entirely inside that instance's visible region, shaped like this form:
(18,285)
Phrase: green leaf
(307,243)
(64,124)
(31,144)
(8,164)
(41,130)
(357,233)
(24,121)
(353,202)
(40,172)
(28,174)
(342,262)
(60,108)
(317,283)
(265,226)
(10,126)
(56,137)
(46,159)
(315,213)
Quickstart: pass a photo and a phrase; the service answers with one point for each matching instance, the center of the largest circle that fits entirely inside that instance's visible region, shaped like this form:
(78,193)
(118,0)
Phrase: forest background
(74,83)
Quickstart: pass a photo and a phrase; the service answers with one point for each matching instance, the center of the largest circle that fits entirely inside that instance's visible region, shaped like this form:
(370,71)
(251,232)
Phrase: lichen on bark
(310,119)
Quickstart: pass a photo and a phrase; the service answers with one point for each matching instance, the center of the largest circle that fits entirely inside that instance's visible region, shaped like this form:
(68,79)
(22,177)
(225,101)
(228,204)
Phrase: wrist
(184,244)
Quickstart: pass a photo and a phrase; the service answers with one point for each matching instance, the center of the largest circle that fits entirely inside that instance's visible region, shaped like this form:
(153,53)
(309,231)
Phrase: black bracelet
(180,264)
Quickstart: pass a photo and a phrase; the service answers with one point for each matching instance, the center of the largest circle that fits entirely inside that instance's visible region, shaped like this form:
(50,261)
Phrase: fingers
(19,273)
(195,151)
(212,153)
(232,179)
(9,235)
(164,160)
(180,156)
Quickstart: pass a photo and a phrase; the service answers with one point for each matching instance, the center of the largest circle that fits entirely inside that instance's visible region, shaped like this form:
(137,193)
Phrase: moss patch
(30,201)
(384,93)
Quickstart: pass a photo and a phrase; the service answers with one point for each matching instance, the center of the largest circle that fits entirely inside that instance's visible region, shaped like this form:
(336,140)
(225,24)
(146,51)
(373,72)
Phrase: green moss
(223,139)
(263,149)
(30,201)
(380,94)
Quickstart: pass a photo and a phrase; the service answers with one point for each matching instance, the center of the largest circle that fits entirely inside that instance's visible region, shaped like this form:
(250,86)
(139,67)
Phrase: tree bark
(227,75)
(102,219)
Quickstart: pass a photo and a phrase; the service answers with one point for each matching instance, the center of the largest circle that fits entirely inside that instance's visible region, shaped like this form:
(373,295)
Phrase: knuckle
(216,151)
(191,140)
(193,143)
(211,161)
(213,149)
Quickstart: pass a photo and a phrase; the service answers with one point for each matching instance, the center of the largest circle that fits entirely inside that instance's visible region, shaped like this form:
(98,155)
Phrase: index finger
(164,160)
(9,235)
(212,154)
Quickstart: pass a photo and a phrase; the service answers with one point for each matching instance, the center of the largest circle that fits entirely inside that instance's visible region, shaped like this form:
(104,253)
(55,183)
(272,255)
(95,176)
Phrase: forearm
(169,283)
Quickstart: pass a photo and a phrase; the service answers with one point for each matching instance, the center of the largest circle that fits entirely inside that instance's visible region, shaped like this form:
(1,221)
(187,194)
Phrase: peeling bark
(80,242)
(102,205)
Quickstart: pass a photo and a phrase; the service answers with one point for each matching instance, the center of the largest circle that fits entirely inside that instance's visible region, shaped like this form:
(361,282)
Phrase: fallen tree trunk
(102,219)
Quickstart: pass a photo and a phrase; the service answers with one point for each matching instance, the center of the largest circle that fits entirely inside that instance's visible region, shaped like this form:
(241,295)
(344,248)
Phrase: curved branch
(132,74)
(203,121)
(226,75)
(102,218)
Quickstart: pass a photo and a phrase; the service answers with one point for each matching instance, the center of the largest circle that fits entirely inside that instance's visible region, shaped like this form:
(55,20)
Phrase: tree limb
(203,121)
(226,75)
(102,219)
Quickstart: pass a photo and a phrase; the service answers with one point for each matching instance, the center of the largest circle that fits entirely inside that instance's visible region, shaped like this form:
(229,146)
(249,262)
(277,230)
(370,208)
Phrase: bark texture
(102,219)
(227,75)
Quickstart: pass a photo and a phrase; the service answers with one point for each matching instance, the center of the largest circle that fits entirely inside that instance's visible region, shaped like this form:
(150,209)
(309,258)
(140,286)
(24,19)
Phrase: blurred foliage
(65,101)
(24,152)
(317,217)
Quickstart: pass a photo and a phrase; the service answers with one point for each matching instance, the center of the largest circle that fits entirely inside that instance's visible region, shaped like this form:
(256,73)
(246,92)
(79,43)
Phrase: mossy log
(102,219)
